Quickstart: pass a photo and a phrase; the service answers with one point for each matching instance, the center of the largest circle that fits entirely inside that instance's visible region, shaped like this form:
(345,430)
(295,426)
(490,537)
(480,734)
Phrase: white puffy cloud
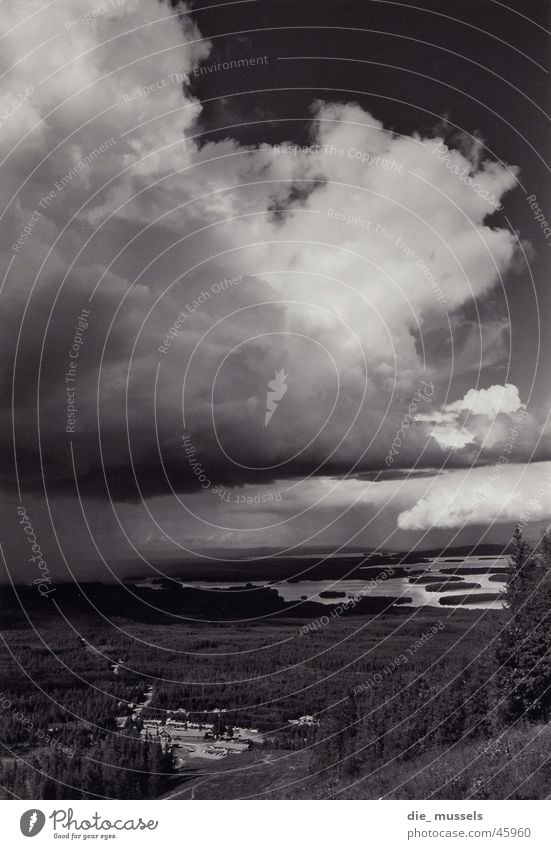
(474,418)
(514,493)
(488,402)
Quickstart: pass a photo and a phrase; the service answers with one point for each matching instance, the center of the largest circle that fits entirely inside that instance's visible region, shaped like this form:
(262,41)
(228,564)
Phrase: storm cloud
(206,268)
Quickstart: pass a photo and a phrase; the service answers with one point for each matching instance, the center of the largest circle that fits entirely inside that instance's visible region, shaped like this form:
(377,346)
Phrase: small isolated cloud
(516,493)
(489,402)
(473,419)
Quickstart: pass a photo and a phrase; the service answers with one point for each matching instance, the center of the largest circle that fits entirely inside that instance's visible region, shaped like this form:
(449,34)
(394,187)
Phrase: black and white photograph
(276,440)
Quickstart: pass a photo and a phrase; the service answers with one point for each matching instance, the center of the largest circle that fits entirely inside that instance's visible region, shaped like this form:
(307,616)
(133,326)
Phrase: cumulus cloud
(473,418)
(488,402)
(208,267)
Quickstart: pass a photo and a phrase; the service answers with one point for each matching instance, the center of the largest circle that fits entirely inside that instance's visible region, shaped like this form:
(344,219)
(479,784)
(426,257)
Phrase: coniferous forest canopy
(444,704)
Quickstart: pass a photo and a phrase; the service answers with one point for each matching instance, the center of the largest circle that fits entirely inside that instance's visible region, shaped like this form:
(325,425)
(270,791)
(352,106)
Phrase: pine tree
(523,654)
(522,575)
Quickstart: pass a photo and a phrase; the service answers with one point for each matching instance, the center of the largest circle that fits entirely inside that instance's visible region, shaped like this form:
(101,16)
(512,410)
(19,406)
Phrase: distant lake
(420,593)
